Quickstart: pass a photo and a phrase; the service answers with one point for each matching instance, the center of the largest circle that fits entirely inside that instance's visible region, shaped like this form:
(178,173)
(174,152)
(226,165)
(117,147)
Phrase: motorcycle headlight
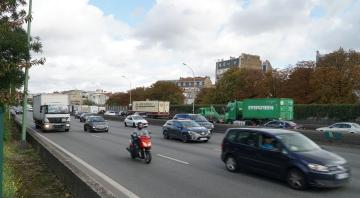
(318,167)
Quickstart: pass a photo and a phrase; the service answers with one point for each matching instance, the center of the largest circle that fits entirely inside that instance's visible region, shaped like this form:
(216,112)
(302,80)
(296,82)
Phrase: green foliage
(340,112)
(88,102)
(14,49)
(165,91)
(10,185)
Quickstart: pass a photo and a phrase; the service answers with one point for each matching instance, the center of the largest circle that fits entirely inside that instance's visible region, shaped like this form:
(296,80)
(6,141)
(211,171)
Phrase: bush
(340,112)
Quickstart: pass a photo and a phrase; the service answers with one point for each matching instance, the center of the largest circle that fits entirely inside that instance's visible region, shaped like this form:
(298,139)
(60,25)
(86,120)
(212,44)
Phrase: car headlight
(212,126)
(318,167)
(46,120)
(94,127)
(68,119)
(192,133)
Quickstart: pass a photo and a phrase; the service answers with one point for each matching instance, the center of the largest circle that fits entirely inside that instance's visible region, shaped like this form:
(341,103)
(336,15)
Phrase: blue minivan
(283,154)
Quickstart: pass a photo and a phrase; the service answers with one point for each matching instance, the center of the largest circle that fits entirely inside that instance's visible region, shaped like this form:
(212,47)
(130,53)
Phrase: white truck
(153,109)
(51,112)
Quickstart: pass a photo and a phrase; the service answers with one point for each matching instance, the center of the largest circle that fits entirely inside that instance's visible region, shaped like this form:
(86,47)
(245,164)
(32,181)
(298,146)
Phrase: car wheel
(231,164)
(85,129)
(125,124)
(67,130)
(107,130)
(296,179)
(166,135)
(134,125)
(206,140)
(185,138)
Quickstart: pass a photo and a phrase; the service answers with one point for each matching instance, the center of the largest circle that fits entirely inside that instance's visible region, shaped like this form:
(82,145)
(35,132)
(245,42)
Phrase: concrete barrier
(78,182)
(319,137)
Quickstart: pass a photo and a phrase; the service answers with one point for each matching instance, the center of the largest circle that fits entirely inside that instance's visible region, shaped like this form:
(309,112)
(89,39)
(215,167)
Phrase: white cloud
(86,49)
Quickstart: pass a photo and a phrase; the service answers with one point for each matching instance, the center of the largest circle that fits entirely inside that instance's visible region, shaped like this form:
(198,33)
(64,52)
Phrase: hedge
(336,112)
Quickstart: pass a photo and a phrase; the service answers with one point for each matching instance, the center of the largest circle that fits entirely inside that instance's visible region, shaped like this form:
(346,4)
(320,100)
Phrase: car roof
(267,130)
(345,123)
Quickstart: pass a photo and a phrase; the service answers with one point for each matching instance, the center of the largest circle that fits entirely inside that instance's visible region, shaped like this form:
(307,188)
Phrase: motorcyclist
(138,132)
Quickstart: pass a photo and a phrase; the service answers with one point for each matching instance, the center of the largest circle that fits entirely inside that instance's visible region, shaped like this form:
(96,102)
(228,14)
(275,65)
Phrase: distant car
(342,127)
(18,110)
(110,113)
(133,120)
(283,154)
(201,120)
(185,130)
(84,116)
(96,123)
(30,108)
(283,124)
(142,114)
(122,113)
(77,115)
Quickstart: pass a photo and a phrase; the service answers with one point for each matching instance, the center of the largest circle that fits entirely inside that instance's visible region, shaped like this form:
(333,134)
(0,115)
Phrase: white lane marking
(170,158)
(121,188)
(217,149)
(95,136)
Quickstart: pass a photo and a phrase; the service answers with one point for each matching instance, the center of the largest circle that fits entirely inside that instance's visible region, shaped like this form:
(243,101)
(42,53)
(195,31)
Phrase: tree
(166,91)
(88,102)
(337,77)
(14,49)
(298,85)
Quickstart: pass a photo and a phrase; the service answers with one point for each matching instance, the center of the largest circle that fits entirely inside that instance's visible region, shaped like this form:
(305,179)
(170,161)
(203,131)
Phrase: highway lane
(183,169)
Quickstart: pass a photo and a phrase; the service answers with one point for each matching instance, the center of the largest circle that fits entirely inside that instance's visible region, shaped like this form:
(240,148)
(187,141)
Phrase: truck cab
(51,112)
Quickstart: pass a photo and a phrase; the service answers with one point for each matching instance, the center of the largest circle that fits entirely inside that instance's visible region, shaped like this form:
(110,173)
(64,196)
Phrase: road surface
(184,169)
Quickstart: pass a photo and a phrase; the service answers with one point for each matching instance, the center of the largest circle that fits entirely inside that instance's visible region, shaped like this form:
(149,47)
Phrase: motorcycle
(140,147)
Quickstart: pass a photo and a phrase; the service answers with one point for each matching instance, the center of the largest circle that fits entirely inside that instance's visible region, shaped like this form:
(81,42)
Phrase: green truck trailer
(259,110)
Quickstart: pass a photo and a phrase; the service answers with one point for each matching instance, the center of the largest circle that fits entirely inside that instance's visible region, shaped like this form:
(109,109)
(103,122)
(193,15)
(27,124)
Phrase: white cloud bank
(86,49)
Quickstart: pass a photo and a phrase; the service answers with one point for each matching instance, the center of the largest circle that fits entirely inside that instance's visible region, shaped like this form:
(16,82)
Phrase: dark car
(77,115)
(84,116)
(283,124)
(185,130)
(283,154)
(201,120)
(96,123)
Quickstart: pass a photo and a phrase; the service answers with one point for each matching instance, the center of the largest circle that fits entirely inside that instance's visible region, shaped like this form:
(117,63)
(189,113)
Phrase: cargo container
(51,112)
(260,109)
(153,109)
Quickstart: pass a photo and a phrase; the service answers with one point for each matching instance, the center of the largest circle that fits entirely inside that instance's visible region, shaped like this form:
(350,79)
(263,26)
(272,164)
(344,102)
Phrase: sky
(91,44)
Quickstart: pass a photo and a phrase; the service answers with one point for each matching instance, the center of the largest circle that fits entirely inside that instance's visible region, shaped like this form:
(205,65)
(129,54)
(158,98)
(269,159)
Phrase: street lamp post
(193,109)
(130,89)
(24,116)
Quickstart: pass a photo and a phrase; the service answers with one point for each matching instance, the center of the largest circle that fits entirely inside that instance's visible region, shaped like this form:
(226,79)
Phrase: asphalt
(184,169)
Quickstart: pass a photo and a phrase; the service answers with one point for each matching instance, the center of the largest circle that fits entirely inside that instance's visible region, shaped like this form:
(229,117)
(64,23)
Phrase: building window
(198,83)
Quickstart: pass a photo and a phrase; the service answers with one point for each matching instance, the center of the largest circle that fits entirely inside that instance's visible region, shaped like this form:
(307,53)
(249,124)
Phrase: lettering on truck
(270,108)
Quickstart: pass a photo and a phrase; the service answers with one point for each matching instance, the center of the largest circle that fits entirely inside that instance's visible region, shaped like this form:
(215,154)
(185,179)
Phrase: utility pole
(193,92)
(2,131)
(25,109)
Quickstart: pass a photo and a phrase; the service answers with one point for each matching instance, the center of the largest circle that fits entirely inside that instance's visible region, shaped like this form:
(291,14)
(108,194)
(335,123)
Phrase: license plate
(203,138)
(342,176)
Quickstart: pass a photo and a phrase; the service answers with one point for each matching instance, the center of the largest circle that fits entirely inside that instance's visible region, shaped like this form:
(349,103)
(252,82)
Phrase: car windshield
(199,118)
(356,125)
(190,123)
(297,142)
(182,116)
(137,118)
(54,109)
(97,119)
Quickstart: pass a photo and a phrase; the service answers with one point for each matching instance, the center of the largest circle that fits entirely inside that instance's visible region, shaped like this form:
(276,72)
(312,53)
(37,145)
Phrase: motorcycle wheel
(132,153)
(147,157)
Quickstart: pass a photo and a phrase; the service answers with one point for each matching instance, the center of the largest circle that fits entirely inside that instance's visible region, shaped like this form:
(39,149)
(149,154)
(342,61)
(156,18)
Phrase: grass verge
(25,173)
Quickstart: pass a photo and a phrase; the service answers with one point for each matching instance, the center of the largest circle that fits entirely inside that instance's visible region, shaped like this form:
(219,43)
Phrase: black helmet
(140,125)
